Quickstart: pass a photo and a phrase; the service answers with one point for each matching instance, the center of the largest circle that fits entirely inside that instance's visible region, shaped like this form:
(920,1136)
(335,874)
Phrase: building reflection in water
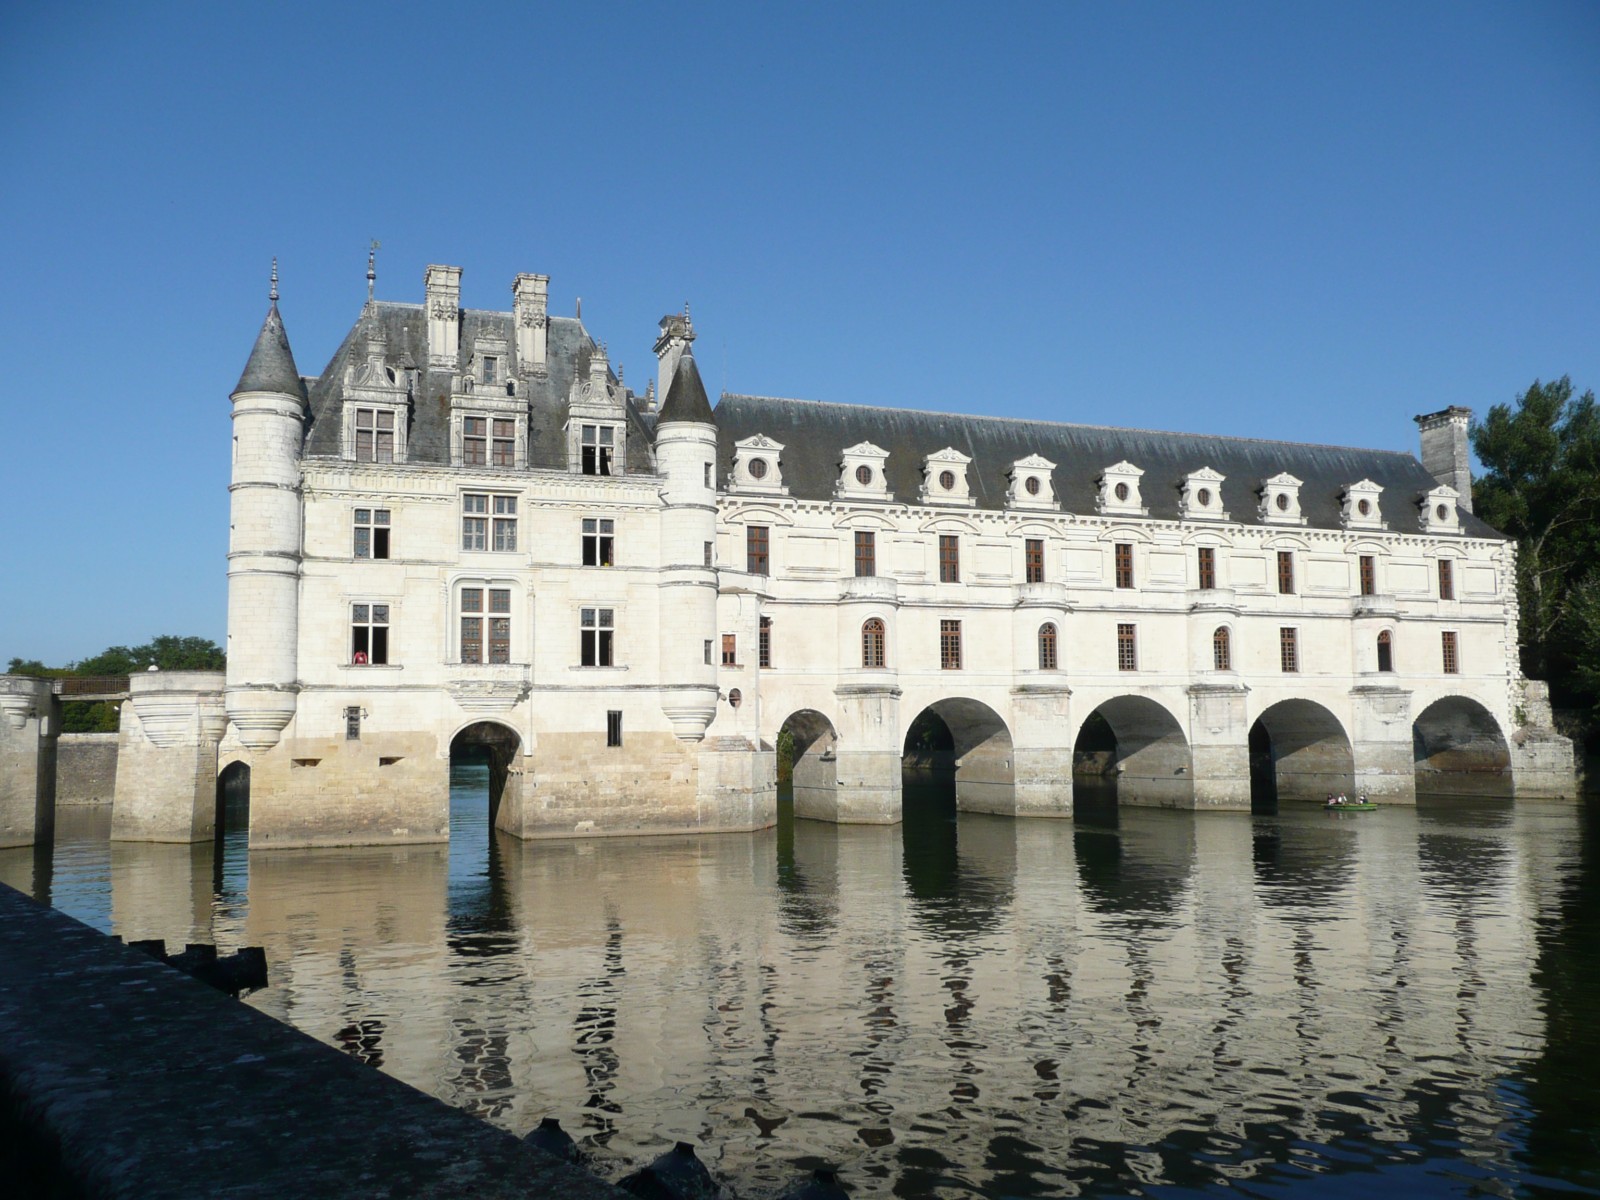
(1136,999)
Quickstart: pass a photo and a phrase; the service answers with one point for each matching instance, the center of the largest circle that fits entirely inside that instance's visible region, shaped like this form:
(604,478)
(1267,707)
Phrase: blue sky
(1292,221)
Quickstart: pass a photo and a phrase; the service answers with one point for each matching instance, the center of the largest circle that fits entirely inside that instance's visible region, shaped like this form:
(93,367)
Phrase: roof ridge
(930,412)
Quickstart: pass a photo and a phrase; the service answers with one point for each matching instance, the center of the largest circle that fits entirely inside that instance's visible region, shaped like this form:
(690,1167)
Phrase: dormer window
(944,478)
(1358,509)
(374,435)
(757,466)
(1200,496)
(597,449)
(862,474)
(1119,491)
(1030,483)
(491,369)
(1437,510)
(1280,500)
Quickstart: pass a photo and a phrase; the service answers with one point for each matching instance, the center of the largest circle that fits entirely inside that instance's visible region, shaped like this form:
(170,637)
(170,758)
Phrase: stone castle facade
(468,535)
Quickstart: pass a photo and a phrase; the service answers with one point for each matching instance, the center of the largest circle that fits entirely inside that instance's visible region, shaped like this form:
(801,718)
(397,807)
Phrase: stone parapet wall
(86,768)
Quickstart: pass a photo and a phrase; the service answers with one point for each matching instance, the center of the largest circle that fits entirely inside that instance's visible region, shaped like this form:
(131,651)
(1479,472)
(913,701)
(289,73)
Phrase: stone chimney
(1444,450)
(442,300)
(677,331)
(530,304)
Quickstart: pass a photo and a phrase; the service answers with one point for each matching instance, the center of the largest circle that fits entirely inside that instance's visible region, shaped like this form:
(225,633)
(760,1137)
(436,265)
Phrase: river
(1137,1002)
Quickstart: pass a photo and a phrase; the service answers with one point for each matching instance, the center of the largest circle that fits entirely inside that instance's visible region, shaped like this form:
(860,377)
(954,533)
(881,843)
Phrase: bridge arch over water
(496,745)
(1458,749)
(968,742)
(1299,750)
(1133,750)
(812,741)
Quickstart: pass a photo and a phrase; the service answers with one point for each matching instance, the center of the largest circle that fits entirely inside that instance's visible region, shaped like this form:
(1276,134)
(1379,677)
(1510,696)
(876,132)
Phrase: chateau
(467,535)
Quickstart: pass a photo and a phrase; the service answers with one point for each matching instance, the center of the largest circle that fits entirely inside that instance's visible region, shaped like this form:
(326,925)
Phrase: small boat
(1340,804)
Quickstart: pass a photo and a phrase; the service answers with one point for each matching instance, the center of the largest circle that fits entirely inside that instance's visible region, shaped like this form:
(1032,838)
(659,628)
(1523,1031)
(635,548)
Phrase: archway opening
(958,751)
(1298,751)
(1130,750)
(1458,750)
(481,756)
(231,858)
(806,747)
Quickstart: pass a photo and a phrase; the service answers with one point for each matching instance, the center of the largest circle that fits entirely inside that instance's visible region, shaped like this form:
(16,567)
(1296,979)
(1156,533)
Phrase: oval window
(1031,485)
(1203,497)
(735,698)
(758,468)
(947,480)
(1121,491)
(1283,501)
(1364,507)
(1442,513)
(863,475)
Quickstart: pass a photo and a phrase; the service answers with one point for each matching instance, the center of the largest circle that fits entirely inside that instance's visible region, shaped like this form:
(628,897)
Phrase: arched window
(1221,649)
(1047,647)
(872,643)
(1385,651)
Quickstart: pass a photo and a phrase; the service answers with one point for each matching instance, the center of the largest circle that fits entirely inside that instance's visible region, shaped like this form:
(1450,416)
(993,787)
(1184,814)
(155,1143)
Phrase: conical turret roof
(271,367)
(686,395)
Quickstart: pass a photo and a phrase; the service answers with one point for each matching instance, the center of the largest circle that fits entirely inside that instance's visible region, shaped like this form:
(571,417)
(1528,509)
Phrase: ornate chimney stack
(530,304)
(677,331)
(1445,450)
(442,298)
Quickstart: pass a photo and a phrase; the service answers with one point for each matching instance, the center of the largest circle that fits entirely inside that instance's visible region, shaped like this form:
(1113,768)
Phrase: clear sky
(1295,221)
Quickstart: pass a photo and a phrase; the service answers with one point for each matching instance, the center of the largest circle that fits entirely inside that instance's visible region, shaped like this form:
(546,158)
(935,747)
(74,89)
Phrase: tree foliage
(168,653)
(1542,487)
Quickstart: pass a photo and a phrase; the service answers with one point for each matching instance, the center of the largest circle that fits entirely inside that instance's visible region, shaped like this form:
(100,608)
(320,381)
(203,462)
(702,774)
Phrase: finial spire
(272,293)
(372,266)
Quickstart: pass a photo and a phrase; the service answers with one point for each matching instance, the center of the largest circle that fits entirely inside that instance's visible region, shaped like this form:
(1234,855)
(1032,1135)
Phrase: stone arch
(1130,749)
(1459,750)
(497,745)
(1299,751)
(233,798)
(968,741)
(812,746)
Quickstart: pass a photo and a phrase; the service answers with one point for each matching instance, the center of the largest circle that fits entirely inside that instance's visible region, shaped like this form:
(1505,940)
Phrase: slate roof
(271,364)
(686,395)
(404,328)
(814,434)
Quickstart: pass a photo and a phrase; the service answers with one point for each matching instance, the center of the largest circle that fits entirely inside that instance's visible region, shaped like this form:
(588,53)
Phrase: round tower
(686,456)
(269,411)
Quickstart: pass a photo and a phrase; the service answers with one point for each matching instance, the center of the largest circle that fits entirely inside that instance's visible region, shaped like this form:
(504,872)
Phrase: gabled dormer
(1200,496)
(376,404)
(1437,511)
(862,475)
(1280,500)
(1119,491)
(596,421)
(1359,508)
(758,467)
(1030,484)
(944,478)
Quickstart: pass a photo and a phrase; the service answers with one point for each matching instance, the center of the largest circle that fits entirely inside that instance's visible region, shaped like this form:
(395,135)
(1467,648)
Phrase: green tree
(1542,487)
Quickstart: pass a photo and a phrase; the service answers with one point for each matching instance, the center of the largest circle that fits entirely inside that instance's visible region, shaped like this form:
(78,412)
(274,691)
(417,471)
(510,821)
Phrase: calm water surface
(1133,1003)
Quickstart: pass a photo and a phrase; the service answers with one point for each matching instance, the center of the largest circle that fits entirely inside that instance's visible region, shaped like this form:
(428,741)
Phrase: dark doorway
(1263,778)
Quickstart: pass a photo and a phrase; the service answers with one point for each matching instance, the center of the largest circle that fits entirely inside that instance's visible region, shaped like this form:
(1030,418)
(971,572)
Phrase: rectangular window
(1208,568)
(764,643)
(1447,579)
(491,368)
(374,435)
(949,558)
(372,533)
(474,521)
(1124,564)
(1286,572)
(613,728)
(474,441)
(1033,560)
(755,549)
(503,447)
(1127,649)
(499,625)
(472,625)
(596,448)
(1289,650)
(369,634)
(866,553)
(505,522)
(598,537)
(596,633)
(730,650)
(708,652)
(1369,575)
(352,724)
(1452,658)
(710,552)
(950,645)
